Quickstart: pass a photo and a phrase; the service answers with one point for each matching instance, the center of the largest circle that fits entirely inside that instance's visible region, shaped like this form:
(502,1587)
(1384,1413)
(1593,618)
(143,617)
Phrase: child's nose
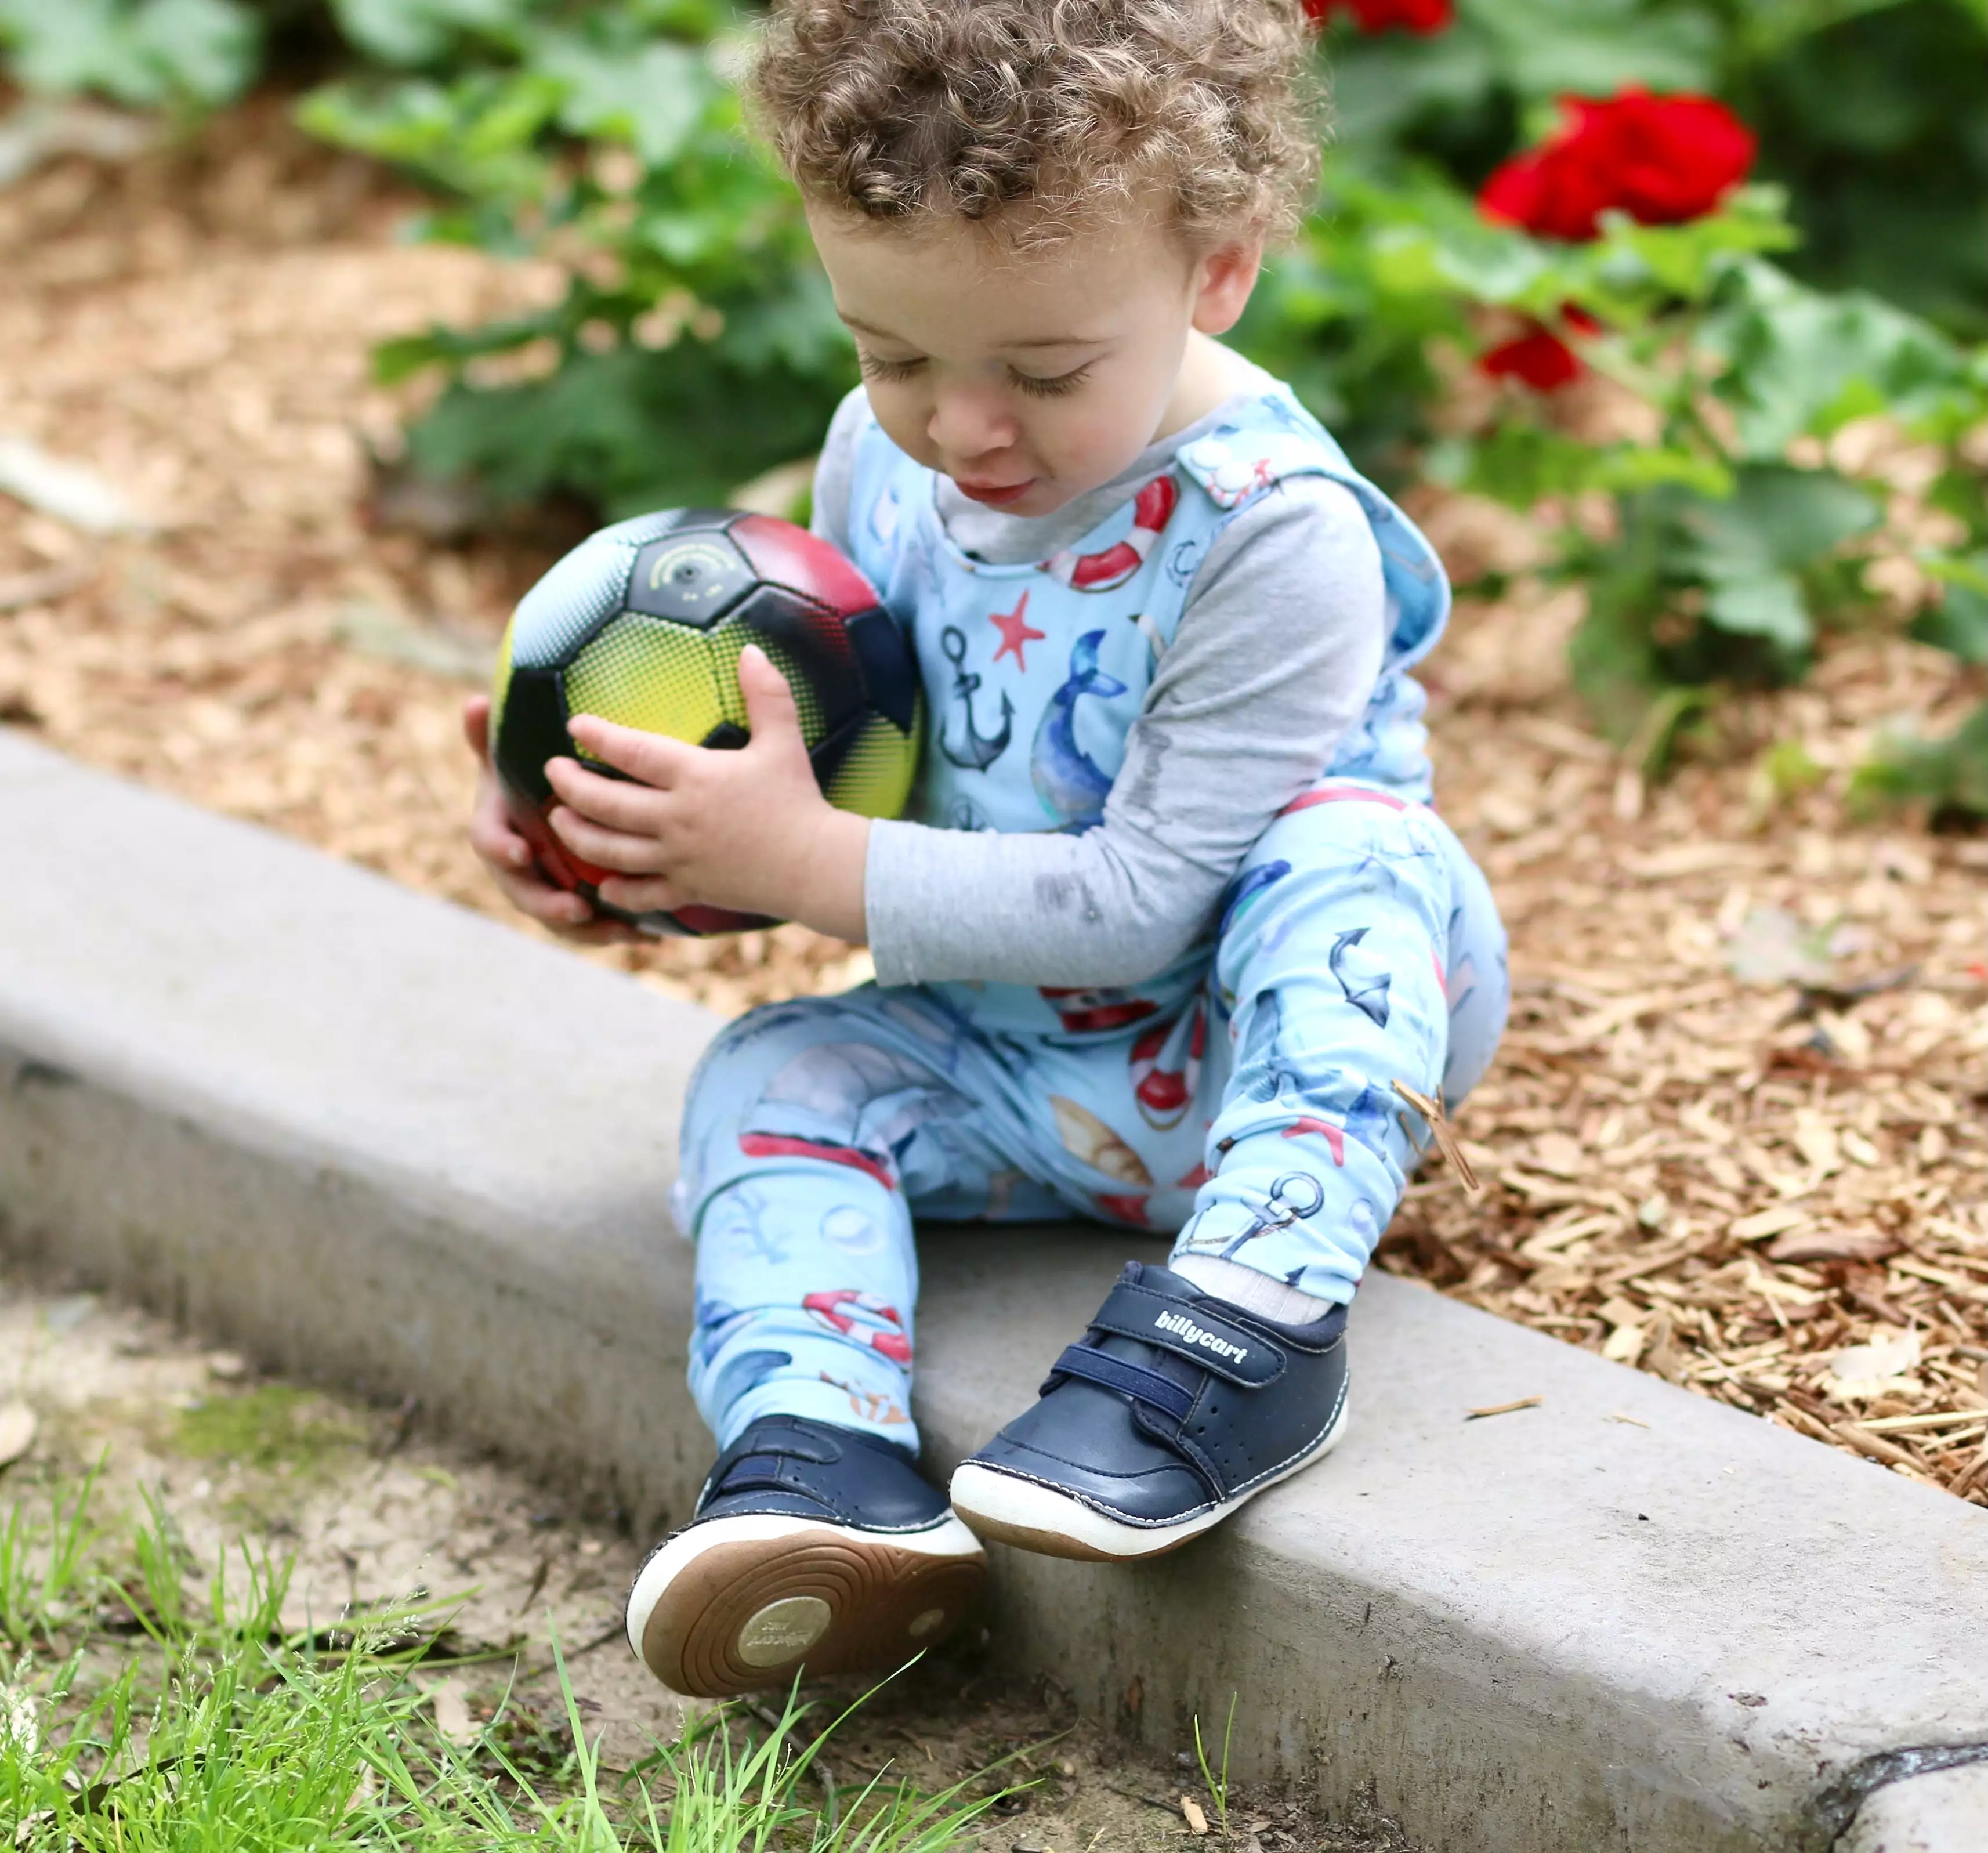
(967,423)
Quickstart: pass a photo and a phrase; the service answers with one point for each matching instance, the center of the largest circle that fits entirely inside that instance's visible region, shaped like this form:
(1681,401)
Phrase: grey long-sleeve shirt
(1276,654)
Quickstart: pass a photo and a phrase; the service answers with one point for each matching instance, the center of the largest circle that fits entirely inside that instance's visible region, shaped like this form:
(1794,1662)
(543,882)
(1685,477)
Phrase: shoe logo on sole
(923,1624)
(1181,1327)
(783,1630)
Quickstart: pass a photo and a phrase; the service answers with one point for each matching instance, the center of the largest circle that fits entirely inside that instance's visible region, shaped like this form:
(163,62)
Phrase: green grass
(212,1730)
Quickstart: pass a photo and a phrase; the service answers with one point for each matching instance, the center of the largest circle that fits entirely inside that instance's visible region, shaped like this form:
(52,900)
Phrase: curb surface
(375,1139)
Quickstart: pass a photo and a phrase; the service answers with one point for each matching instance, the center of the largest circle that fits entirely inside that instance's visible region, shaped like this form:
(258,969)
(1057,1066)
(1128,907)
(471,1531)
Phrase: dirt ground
(375,1512)
(1736,1134)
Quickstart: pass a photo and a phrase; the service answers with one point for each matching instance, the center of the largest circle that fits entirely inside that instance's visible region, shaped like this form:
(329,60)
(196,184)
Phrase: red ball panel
(784,555)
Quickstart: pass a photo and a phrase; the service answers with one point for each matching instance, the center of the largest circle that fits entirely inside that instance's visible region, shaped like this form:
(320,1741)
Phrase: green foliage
(143,52)
(1948,777)
(695,344)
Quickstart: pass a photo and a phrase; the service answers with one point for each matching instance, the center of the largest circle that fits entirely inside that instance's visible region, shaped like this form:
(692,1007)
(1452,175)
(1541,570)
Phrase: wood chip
(1875,1446)
(1197,1821)
(1505,1408)
(1439,1124)
(1770,1221)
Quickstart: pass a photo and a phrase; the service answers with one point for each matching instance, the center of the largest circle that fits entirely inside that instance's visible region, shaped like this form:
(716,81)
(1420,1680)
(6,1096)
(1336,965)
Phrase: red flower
(1539,357)
(1423,16)
(1662,159)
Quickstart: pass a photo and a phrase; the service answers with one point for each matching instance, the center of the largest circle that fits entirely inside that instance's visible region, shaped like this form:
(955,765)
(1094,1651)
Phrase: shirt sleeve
(1276,656)
(835,471)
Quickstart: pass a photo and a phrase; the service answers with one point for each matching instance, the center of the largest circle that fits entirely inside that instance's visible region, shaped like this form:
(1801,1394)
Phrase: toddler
(1171,916)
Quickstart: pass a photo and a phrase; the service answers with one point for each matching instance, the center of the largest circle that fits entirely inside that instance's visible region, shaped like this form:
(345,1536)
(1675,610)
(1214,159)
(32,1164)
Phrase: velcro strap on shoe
(1229,1350)
(1133,1380)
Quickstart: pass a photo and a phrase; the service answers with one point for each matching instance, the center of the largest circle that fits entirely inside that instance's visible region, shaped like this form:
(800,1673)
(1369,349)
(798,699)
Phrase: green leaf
(654,99)
(408,33)
(1799,361)
(1958,622)
(1755,603)
(143,52)
(1948,775)
(1593,48)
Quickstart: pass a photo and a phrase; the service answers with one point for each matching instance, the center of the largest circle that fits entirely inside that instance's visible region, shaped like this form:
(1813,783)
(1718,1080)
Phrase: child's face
(1028,377)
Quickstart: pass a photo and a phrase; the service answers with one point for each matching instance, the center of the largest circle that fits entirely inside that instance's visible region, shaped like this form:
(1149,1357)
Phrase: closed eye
(873,368)
(1052,388)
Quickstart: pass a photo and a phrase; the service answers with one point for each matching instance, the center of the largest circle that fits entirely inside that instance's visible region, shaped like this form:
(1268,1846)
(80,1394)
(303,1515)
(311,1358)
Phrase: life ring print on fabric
(1152,508)
(863,1318)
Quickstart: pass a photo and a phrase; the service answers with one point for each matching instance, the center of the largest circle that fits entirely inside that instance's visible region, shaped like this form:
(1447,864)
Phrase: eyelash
(895,371)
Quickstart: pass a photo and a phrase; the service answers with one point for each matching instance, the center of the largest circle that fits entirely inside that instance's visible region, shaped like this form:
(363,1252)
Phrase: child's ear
(1223,279)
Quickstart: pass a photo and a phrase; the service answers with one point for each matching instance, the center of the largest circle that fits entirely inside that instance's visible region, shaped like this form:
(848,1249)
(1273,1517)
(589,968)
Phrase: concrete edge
(302,1127)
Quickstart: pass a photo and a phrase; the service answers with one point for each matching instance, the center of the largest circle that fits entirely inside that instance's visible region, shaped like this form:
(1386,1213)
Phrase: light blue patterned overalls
(1243,1096)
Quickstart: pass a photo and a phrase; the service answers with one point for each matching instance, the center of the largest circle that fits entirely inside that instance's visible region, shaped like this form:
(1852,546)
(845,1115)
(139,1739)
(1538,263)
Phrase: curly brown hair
(971,108)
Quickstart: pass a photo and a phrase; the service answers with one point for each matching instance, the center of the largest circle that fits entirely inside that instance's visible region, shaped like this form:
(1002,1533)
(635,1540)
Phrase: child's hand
(508,856)
(746,829)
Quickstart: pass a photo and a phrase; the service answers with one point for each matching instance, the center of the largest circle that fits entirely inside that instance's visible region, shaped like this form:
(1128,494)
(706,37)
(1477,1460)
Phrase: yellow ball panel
(874,779)
(650,674)
(500,680)
(728,643)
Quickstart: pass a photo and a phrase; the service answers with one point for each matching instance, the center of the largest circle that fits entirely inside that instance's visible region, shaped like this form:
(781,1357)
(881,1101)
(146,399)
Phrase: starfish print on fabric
(1016,631)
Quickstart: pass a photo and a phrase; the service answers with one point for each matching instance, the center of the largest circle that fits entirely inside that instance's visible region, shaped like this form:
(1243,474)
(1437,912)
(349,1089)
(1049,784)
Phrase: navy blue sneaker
(1173,1409)
(814,1549)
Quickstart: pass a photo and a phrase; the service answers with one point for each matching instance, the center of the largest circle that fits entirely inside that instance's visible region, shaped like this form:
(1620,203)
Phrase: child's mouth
(996,494)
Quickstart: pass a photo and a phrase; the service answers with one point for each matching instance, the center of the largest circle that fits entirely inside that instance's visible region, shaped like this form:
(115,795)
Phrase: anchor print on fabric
(1017,633)
(1072,787)
(960,739)
(1292,1197)
(1364,990)
(1109,568)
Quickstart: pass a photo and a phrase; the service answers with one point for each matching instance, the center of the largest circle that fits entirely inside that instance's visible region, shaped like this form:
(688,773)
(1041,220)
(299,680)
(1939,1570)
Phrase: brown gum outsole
(874,1590)
(1055,1544)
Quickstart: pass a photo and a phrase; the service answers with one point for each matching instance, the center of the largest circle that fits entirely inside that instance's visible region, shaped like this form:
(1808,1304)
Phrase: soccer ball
(643,623)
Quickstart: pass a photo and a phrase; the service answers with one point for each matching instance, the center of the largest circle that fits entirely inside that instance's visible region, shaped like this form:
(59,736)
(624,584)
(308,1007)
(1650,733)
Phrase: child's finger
(613,849)
(771,716)
(613,802)
(646,895)
(647,756)
(476,725)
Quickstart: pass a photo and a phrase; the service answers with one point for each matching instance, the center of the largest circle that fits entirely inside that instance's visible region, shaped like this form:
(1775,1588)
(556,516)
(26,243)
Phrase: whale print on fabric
(1366,989)
(736,1376)
(1071,785)
(1246,887)
(1365,1122)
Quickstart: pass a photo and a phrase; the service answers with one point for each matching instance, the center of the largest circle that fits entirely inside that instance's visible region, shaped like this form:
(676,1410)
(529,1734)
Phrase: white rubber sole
(741,1604)
(1032,1516)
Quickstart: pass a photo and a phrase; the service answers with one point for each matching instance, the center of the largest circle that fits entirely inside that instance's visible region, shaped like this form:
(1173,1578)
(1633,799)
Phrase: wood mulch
(1736,1134)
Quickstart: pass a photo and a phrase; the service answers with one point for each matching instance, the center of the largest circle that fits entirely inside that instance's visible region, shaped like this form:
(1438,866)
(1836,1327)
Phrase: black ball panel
(693,577)
(532,731)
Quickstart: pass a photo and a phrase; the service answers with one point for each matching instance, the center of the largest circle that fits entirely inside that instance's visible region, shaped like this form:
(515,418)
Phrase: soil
(375,1512)
(1736,1133)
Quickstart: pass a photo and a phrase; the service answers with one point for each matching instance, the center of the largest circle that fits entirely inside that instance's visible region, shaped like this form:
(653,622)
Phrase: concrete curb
(373,1139)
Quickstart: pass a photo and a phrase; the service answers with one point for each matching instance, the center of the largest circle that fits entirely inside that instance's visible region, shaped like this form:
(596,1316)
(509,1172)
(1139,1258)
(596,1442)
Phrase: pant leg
(1359,947)
(811,1130)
